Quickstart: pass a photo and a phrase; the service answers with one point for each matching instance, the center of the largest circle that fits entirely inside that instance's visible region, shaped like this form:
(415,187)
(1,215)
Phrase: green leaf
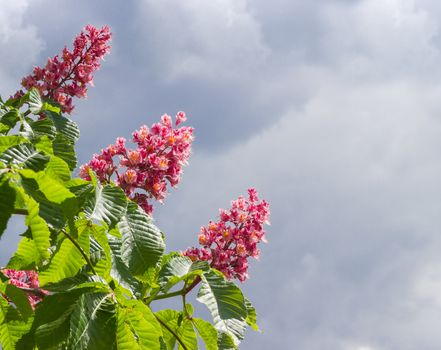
(4,128)
(181,326)
(119,271)
(206,332)
(251,315)
(138,327)
(93,323)
(26,256)
(26,155)
(34,100)
(108,203)
(64,149)
(9,119)
(43,127)
(100,252)
(82,190)
(73,316)
(51,108)
(225,302)
(44,144)
(20,300)
(12,325)
(67,260)
(57,168)
(65,126)
(226,342)
(9,141)
(39,230)
(52,190)
(176,268)
(125,339)
(7,195)
(142,242)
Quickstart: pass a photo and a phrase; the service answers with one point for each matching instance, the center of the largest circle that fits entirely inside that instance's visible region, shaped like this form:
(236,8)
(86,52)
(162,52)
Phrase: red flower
(26,279)
(157,161)
(228,243)
(68,76)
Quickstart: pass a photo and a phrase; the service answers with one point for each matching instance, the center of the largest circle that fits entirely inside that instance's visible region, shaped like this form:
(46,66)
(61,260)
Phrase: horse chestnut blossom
(145,172)
(67,75)
(228,243)
(25,279)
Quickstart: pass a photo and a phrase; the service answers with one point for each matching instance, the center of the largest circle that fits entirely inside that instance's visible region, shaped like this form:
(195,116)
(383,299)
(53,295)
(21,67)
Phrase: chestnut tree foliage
(91,261)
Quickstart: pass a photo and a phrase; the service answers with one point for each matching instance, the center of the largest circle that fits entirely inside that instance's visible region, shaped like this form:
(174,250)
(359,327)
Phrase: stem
(194,284)
(183,291)
(172,332)
(169,295)
(184,302)
(75,243)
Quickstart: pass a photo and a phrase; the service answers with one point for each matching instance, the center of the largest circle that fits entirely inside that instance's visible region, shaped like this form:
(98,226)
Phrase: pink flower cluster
(228,243)
(25,279)
(67,76)
(143,173)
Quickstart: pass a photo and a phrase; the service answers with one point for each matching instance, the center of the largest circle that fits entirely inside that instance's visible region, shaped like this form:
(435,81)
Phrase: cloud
(19,44)
(353,185)
(330,109)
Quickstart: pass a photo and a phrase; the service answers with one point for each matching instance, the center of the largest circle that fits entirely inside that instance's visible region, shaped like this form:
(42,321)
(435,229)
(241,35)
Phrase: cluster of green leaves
(99,256)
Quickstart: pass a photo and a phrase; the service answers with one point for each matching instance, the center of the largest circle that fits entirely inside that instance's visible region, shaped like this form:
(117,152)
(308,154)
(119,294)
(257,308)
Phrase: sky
(330,109)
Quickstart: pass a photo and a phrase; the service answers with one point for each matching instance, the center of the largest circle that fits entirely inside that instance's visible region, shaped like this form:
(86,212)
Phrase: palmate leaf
(12,325)
(206,332)
(251,315)
(58,169)
(19,299)
(226,342)
(26,257)
(39,230)
(225,302)
(7,195)
(100,252)
(25,155)
(93,323)
(181,326)
(34,100)
(72,317)
(65,126)
(64,148)
(9,141)
(107,203)
(37,184)
(43,127)
(176,268)
(137,327)
(125,339)
(142,242)
(119,271)
(67,260)
(9,119)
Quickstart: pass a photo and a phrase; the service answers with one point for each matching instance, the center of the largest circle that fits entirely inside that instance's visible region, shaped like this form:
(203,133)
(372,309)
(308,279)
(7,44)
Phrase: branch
(169,295)
(183,291)
(194,284)
(75,243)
(171,331)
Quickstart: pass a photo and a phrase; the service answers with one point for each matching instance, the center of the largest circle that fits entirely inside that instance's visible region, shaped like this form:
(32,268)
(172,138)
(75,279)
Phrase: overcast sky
(331,109)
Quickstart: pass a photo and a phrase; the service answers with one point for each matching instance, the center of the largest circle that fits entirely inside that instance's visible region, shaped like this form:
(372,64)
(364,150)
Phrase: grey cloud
(331,109)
